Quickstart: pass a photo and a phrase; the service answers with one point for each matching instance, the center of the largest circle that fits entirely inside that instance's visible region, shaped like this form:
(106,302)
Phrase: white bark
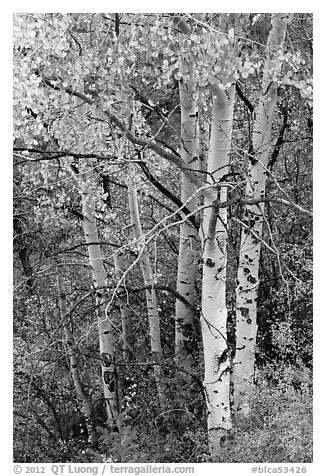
(187,266)
(87,187)
(247,286)
(106,335)
(214,238)
(73,365)
(148,277)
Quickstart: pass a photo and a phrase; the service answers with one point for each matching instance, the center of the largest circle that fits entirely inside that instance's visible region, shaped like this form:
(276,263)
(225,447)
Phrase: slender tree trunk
(106,335)
(187,266)
(74,370)
(126,314)
(214,239)
(153,315)
(120,268)
(248,281)
(105,328)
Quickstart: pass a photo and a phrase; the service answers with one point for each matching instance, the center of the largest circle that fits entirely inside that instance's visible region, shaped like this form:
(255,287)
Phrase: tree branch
(280,140)
(167,193)
(244,98)
(249,201)
(162,287)
(57,155)
(144,143)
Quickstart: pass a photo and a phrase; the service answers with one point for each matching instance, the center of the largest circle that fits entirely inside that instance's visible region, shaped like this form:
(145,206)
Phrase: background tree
(247,284)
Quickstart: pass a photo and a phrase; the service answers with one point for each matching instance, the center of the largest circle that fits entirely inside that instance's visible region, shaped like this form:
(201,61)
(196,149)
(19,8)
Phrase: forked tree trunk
(82,396)
(214,239)
(247,285)
(151,300)
(187,266)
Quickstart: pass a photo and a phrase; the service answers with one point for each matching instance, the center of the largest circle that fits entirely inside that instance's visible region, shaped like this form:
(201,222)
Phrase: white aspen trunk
(214,239)
(105,329)
(153,315)
(120,267)
(247,280)
(73,365)
(106,335)
(187,266)
(126,314)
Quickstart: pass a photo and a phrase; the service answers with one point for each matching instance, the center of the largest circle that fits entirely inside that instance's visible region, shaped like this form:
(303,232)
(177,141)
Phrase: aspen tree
(187,266)
(126,314)
(120,267)
(214,239)
(248,280)
(88,189)
(149,280)
(105,328)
